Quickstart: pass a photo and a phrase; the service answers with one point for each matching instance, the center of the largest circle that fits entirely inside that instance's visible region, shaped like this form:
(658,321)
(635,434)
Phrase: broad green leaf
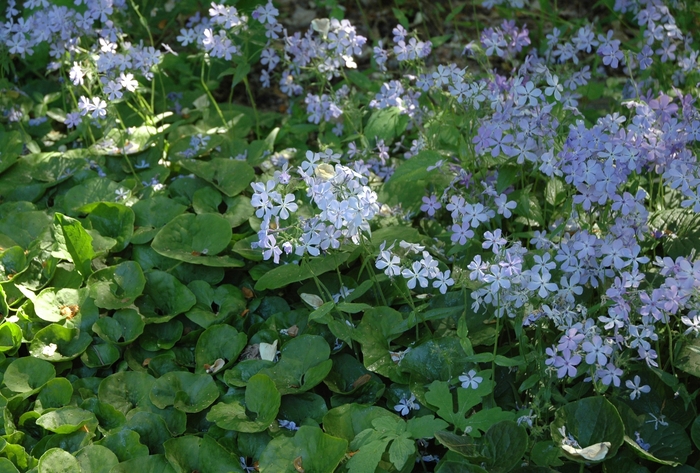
(291,273)
(56,304)
(164,297)
(6,466)
(400,449)
(505,443)
(464,445)
(367,457)
(353,382)
(108,417)
(219,342)
(213,458)
(261,398)
(111,220)
(695,432)
(69,232)
(378,328)
(126,390)
(57,460)
(309,449)
(117,287)
(230,176)
(436,359)
(590,421)
(668,444)
(12,261)
(10,337)
(27,374)
(688,359)
(425,426)
(303,408)
(348,420)
(100,355)
(186,391)
(152,429)
(407,185)
(23,225)
(244,370)
(161,336)
(57,392)
(58,343)
(385,124)
(684,224)
(96,459)
(215,306)
(183,453)
(122,328)
(196,239)
(148,464)
(303,364)
(66,419)
(12,145)
(125,444)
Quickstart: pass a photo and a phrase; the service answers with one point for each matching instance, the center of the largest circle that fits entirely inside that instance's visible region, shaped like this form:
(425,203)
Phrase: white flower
(49,350)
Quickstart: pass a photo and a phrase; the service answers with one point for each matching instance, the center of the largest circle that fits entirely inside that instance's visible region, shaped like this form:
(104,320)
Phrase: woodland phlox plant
(519,219)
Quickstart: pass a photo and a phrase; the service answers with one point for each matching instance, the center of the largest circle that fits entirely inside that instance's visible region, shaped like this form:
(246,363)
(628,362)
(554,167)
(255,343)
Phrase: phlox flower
(470,380)
(503,206)
(442,281)
(610,375)
(416,273)
(407,405)
(637,390)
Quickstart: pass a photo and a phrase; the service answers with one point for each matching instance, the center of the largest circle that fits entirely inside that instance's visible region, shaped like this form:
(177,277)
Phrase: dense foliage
(229,244)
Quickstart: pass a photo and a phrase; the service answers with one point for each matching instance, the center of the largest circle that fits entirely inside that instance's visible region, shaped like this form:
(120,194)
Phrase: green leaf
(367,457)
(111,220)
(183,453)
(590,421)
(152,429)
(505,445)
(379,326)
(26,374)
(348,420)
(400,450)
(695,432)
(219,342)
(230,176)
(125,444)
(122,328)
(96,459)
(149,464)
(10,337)
(126,390)
(465,445)
(161,336)
(425,426)
(261,399)
(440,396)
(213,458)
(684,223)
(309,449)
(69,232)
(350,378)
(66,419)
(117,287)
(303,364)
(6,466)
(58,343)
(164,297)
(186,391)
(56,393)
(56,304)
(290,273)
(688,358)
(407,185)
(196,239)
(57,460)
(436,359)
(108,417)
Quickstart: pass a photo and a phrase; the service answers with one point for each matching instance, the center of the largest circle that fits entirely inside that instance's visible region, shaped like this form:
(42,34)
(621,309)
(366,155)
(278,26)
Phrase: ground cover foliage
(231,244)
